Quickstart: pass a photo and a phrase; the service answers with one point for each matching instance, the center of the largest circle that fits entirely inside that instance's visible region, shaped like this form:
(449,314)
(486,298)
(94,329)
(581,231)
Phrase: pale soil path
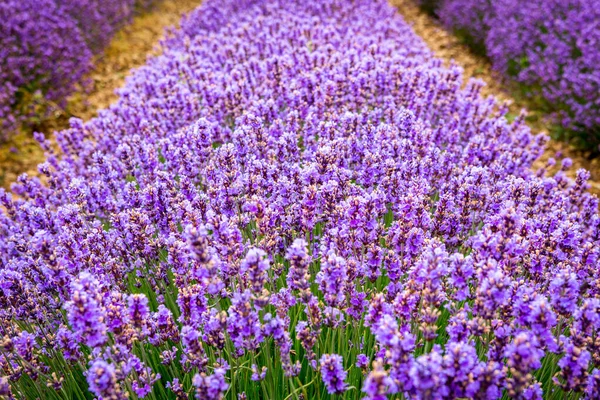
(448,47)
(129,49)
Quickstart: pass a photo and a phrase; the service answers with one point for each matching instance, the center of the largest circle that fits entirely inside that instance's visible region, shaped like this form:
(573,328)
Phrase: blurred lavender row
(46,47)
(298,201)
(552,46)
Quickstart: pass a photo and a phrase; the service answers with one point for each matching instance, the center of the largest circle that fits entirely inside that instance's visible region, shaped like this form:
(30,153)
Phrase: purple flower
(362,361)
(138,310)
(533,392)
(332,279)
(163,326)
(593,385)
(102,380)
(4,387)
(298,277)
(564,292)
(258,375)
(255,266)
(427,375)
(333,373)
(587,316)
(194,352)
(243,324)
(85,312)
(574,365)
(523,357)
(378,384)
(462,368)
(24,344)
(210,387)
(67,342)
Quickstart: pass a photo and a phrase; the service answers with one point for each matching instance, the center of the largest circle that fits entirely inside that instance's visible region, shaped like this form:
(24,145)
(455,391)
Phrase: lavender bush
(42,54)
(46,47)
(297,200)
(552,47)
(455,14)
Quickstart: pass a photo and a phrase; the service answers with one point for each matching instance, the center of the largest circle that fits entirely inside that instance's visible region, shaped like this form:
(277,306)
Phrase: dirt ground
(448,47)
(129,49)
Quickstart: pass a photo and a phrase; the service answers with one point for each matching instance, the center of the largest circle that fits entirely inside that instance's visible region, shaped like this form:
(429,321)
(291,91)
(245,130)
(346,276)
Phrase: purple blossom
(462,368)
(378,384)
(333,373)
(243,324)
(427,376)
(332,279)
(523,356)
(138,310)
(564,291)
(593,386)
(362,361)
(194,353)
(298,276)
(258,375)
(85,312)
(574,365)
(210,387)
(102,380)
(255,266)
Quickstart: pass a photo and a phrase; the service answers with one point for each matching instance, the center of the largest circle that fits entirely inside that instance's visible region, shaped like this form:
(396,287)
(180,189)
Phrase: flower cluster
(46,46)
(295,200)
(550,46)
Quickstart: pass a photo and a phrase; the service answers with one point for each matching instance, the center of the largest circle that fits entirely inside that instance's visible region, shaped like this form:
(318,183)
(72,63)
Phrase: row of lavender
(552,46)
(297,201)
(46,47)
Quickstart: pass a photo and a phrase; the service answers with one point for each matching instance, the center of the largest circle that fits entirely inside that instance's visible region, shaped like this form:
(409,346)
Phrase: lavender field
(551,47)
(298,200)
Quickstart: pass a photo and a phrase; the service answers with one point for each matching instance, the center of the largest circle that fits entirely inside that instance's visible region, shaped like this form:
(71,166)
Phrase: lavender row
(553,47)
(297,200)
(46,47)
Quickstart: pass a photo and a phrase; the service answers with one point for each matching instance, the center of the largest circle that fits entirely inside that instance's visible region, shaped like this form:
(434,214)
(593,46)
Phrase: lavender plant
(297,200)
(42,54)
(551,47)
(46,47)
